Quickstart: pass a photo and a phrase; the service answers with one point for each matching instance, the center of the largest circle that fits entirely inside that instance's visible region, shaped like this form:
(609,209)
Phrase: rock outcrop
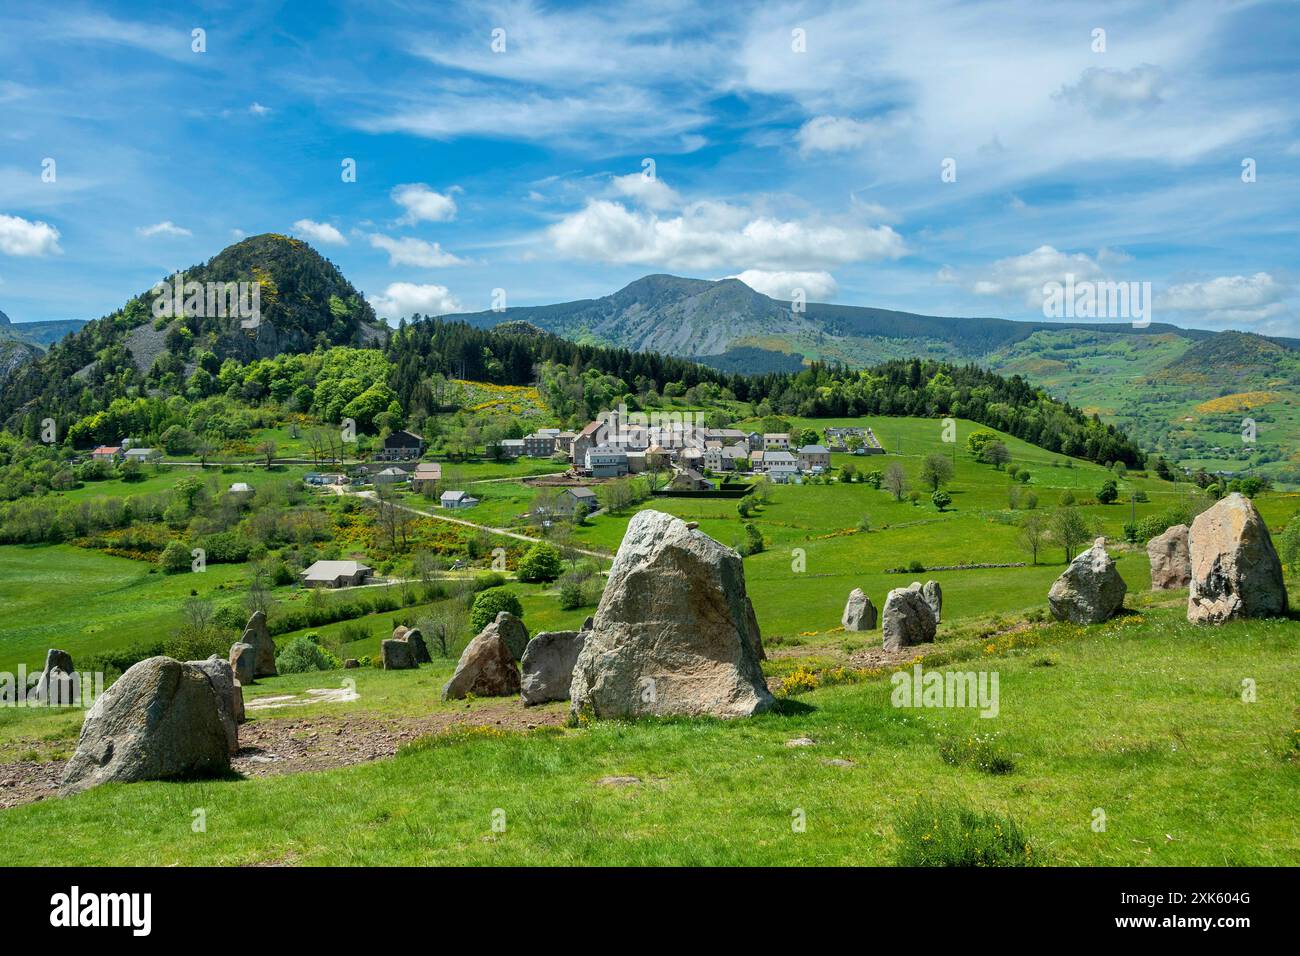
(161,720)
(1171,561)
(419,649)
(672,634)
(859,613)
(906,619)
(547,668)
(487,666)
(1236,572)
(1090,590)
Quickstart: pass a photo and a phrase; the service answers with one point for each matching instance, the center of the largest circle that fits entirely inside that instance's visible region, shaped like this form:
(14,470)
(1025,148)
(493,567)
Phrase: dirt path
(270,747)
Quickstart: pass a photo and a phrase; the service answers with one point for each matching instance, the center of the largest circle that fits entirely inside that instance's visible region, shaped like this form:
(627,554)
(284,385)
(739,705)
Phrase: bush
(488,604)
(199,645)
(541,563)
(916,567)
(1108,492)
(175,558)
(941,499)
(753,543)
(303,654)
(949,834)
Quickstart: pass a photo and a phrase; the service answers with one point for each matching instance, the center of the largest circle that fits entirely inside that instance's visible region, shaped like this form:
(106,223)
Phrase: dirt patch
(273,746)
(28,781)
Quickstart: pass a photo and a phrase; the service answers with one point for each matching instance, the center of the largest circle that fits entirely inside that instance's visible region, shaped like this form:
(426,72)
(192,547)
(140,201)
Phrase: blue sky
(795,145)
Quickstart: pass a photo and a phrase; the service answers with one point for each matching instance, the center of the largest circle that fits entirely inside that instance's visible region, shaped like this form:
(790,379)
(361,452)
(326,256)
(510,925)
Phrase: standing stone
(243,660)
(588,624)
(859,613)
(161,720)
(58,684)
(1171,560)
(1235,570)
(487,667)
(1090,590)
(230,696)
(351,664)
(513,632)
(396,655)
(547,668)
(933,595)
(400,632)
(672,633)
(259,638)
(907,619)
(419,649)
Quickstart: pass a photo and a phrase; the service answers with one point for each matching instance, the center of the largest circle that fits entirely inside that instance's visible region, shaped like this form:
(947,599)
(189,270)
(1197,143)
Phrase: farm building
(400,446)
(336,574)
(457,499)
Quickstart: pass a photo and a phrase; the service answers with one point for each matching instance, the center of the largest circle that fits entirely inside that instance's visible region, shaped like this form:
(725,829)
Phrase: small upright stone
(547,668)
(1090,590)
(933,595)
(242,659)
(396,655)
(907,619)
(259,638)
(419,649)
(859,613)
(487,667)
(58,684)
(1171,560)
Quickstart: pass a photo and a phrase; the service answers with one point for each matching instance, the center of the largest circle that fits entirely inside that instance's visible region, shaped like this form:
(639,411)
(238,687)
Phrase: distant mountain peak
(4,319)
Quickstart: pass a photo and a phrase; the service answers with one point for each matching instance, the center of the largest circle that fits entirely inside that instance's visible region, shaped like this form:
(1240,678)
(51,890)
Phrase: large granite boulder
(1090,590)
(396,655)
(933,595)
(230,696)
(161,720)
(859,613)
(487,666)
(513,632)
(672,634)
(243,658)
(1235,570)
(1171,561)
(907,618)
(258,637)
(419,649)
(547,667)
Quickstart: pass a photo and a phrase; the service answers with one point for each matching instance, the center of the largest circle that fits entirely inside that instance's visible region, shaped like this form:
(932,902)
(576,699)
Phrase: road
(339,489)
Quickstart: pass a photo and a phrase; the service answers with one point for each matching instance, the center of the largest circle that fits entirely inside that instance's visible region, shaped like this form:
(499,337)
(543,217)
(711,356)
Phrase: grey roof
(329,570)
(814,450)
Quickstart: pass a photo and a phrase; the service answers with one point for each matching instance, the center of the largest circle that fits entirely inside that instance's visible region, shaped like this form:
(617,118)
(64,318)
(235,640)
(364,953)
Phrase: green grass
(1141,717)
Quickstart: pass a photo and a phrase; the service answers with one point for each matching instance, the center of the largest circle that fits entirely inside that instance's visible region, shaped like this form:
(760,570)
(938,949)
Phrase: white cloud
(423,204)
(650,191)
(319,232)
(709,235)
(836,134)
(1228,299)
(414,252)
(164,228)
(21,237)
(1024,276)
(403,299)
(257,109)
(1103,92)
(817,286)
